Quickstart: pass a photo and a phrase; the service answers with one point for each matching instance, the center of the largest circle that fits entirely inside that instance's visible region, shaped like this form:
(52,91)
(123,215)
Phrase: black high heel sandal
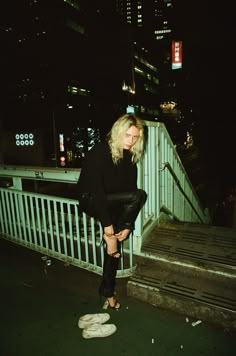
(116,306)
(106,305)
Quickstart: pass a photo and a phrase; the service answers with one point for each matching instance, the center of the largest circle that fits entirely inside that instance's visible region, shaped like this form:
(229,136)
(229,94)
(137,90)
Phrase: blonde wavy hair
(117,132)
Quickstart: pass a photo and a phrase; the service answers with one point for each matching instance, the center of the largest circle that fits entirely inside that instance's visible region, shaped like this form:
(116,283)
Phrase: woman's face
(130,137)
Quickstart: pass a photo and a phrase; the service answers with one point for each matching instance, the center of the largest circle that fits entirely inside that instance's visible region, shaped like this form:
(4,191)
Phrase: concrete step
(200,247)
(190,270)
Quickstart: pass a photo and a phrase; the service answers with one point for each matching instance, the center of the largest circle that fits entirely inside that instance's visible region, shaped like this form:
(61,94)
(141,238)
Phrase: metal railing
(55,227)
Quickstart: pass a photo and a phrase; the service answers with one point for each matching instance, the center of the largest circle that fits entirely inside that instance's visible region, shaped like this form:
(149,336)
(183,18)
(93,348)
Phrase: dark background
(210,36)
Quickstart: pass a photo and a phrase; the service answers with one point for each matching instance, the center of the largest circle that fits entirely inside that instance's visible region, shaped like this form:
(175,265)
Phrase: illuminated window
(138,70)
(75,90)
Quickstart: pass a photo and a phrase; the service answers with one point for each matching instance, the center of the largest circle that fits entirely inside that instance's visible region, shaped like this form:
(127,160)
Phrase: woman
(108,191)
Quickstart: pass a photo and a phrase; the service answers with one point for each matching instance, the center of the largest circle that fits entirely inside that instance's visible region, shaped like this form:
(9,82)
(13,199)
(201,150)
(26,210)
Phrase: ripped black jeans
(124,209)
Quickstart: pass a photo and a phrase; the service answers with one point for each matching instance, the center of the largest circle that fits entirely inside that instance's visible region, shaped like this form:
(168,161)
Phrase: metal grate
(201,247)
(215,296)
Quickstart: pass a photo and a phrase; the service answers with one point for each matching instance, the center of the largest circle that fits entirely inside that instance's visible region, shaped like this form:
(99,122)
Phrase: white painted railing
(54,226)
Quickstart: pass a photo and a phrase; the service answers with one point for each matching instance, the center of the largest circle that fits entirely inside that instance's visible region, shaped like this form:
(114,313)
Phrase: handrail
(168,166)
(62,175)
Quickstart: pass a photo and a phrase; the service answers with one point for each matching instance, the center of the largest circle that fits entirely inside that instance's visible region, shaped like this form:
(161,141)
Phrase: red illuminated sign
(176,54)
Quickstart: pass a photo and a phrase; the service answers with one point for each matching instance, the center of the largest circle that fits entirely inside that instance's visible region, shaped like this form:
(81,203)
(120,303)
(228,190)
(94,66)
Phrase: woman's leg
(112,245)
(110,266)
(87,206)
(129,204)
(124,208)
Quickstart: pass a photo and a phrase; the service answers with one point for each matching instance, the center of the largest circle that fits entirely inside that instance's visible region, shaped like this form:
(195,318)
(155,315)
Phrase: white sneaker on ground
(98,330)
(89,319)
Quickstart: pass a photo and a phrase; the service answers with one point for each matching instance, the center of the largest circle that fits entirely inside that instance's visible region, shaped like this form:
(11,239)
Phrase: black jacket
(100,176)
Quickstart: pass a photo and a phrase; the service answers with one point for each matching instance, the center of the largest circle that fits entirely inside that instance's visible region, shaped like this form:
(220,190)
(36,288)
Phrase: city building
(79,69)
(158,24)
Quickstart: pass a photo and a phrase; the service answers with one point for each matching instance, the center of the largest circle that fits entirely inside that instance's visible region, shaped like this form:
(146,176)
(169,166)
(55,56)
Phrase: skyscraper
(154,17)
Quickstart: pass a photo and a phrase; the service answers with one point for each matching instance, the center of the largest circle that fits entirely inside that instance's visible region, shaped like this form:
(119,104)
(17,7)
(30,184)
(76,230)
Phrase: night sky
(210,54)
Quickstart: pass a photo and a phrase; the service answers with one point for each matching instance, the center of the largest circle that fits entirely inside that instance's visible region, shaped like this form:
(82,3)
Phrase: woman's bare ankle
(112,249)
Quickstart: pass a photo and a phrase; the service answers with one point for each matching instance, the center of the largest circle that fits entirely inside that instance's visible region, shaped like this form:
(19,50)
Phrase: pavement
(42,301)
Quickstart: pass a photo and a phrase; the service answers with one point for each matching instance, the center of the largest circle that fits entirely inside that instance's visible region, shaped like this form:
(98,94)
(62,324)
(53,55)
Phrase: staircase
(190,269)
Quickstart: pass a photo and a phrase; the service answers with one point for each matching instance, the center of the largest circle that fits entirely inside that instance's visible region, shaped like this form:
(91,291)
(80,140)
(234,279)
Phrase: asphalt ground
(41,305)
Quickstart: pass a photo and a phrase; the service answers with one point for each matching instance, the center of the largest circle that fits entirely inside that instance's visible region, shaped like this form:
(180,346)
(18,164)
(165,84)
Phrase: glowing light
(24,139)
